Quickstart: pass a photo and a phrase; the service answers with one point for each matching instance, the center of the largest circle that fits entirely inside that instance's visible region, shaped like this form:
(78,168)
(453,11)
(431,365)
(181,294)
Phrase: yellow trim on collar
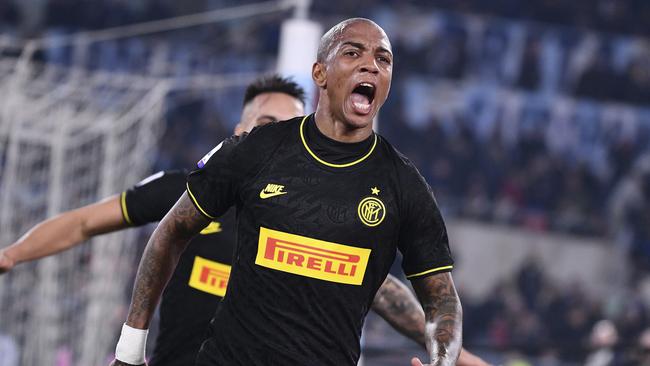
(304,143)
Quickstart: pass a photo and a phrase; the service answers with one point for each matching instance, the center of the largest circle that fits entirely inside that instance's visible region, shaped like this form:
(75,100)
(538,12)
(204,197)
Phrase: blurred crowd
(526,124)
(539,319)
(534,114)
(605,15)
(612,16)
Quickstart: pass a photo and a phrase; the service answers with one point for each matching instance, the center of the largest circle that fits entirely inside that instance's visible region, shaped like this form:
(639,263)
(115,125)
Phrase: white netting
(67,139)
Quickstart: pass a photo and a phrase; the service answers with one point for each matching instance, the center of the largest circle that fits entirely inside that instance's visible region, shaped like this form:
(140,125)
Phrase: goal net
(69,138)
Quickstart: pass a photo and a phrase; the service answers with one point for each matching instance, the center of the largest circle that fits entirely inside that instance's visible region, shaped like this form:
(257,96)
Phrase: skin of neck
(337,128)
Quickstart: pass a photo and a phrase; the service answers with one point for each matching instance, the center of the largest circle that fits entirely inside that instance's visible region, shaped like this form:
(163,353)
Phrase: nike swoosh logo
(264,195)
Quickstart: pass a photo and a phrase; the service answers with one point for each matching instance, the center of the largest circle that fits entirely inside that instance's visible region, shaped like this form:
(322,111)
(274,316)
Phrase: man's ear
(319,74)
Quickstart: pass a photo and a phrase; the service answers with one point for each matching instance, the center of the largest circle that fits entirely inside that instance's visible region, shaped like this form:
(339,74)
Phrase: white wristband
(131,346)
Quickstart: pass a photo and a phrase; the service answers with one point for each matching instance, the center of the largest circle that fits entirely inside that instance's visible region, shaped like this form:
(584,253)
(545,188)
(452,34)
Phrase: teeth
(367,84)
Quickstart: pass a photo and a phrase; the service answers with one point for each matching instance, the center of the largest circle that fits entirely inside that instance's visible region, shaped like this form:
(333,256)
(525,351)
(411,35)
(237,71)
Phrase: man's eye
(351,53)
(384,59)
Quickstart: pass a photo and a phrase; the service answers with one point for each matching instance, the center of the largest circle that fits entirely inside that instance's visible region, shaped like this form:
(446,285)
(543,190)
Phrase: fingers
(416,362)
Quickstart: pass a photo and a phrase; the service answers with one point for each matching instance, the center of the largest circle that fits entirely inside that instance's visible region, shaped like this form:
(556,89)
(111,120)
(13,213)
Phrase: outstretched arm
(159,261)
(398,306)
(443,314)
(64,231)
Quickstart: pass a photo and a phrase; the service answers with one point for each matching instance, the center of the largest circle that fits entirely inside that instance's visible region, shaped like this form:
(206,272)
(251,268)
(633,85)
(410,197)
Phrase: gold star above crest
(375,191)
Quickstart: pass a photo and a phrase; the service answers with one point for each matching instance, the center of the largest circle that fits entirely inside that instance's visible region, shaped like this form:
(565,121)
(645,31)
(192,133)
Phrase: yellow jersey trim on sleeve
(304,143)
(429,271)
(125,211)
(196,203)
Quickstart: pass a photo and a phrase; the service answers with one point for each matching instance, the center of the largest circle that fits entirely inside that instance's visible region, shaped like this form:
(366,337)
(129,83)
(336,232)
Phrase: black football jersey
(200,279)
(317,231)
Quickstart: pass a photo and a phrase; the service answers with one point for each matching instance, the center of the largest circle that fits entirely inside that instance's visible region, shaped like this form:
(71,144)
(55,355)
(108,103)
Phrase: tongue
(360,103)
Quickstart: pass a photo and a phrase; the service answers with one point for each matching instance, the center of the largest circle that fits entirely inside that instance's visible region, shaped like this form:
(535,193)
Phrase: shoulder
(274,129)
(246,152)
(404,167)
(256,146)
(268,135)
(413,189)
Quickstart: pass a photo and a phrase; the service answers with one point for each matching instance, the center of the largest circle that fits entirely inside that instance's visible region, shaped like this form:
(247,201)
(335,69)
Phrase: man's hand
(120,363)
(6,262)
(473,361)
(468,359)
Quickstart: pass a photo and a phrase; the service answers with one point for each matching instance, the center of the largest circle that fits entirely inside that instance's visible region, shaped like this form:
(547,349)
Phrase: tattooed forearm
(443,330)
(159,259)
(398,306)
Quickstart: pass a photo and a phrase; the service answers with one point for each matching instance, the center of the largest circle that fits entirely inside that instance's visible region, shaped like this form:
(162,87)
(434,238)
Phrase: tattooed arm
(159,260)
(398,306)
(443,313)
(160,257)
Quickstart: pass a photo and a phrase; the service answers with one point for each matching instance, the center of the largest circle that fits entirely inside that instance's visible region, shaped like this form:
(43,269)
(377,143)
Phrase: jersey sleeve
(423,237)
(214,185)
(151,199)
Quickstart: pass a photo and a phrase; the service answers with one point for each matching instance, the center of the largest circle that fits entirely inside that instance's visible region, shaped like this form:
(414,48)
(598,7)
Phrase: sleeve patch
(201,163)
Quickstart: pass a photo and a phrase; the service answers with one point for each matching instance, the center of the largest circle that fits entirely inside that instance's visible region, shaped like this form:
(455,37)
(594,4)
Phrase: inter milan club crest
(371,210)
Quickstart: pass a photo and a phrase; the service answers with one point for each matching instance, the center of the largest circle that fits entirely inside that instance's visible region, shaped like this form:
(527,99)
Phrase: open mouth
(367,90)
(362,97)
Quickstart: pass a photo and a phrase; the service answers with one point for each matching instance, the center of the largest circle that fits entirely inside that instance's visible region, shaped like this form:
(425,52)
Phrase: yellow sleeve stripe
(125,212)
(429,271)
(196,203)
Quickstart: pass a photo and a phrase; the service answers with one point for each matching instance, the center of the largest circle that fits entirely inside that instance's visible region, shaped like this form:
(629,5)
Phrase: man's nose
(369,65)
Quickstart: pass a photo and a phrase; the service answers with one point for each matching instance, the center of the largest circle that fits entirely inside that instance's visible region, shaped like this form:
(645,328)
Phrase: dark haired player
(200,277)
(323,204)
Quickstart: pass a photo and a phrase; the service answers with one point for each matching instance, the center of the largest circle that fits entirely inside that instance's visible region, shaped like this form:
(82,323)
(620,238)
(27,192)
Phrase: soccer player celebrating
(323,204)
(199,280)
